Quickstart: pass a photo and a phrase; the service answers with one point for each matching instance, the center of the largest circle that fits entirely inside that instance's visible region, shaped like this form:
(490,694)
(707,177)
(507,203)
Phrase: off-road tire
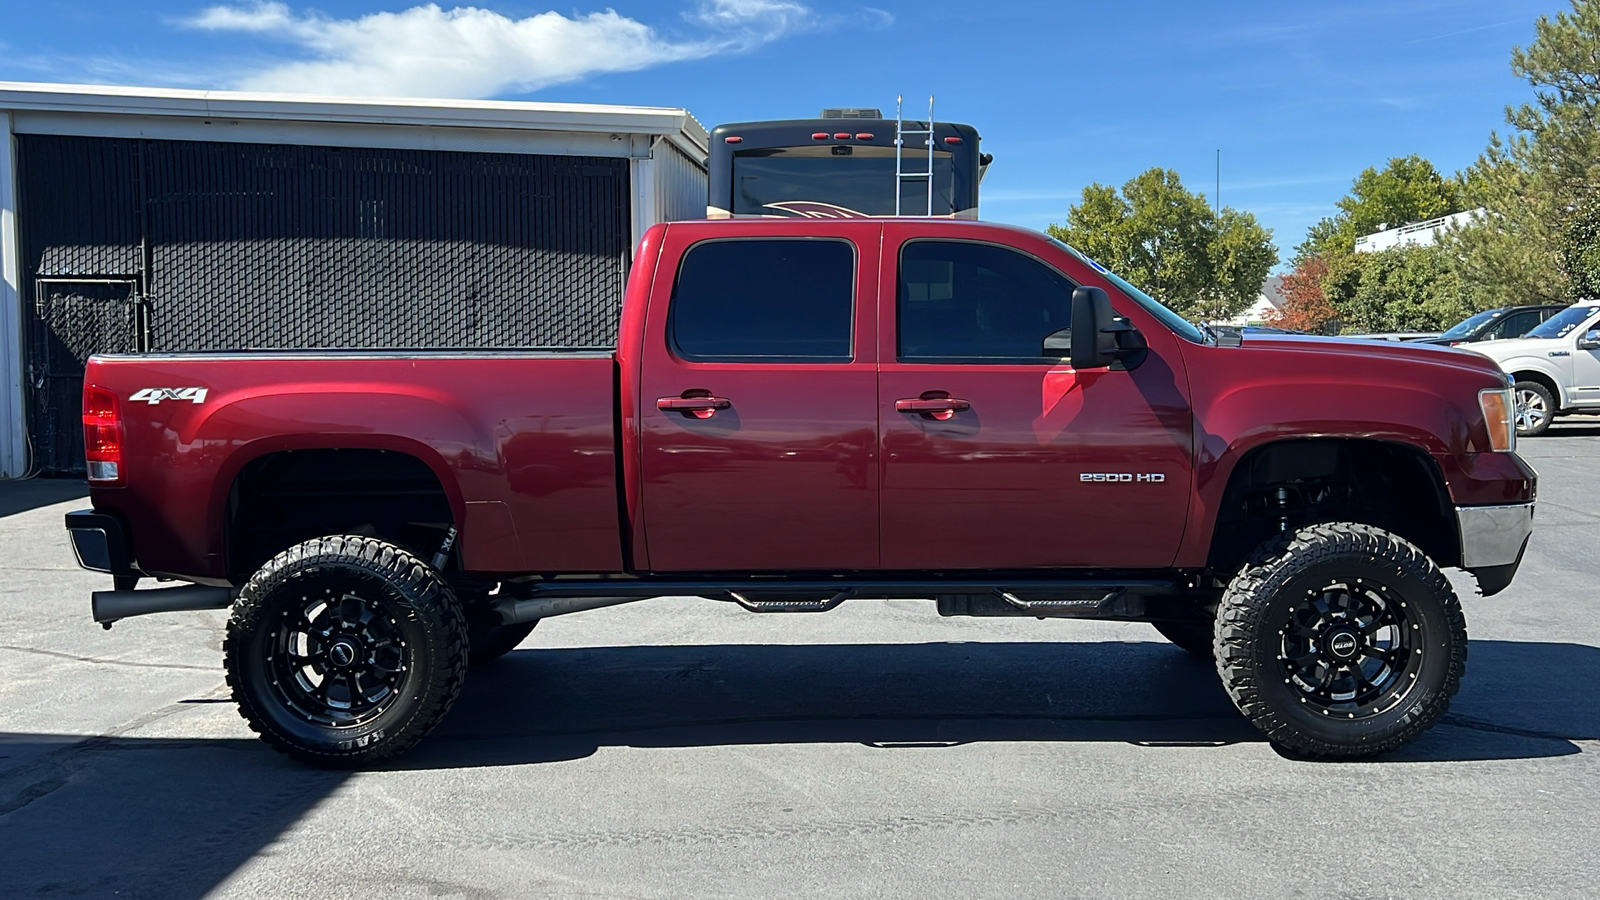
(1263,612)
(1196,637)
(1548,408)
(391,590)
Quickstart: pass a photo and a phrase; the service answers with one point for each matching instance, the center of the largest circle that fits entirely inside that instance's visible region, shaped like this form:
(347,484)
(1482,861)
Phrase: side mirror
(1099,337)
(1590,340)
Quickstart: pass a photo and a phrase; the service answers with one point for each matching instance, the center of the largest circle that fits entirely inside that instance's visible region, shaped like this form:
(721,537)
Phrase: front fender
(1245,399)
(1544,367)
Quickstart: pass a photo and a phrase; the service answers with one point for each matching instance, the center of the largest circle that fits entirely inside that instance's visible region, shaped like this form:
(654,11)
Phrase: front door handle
(938,409)
(696,407)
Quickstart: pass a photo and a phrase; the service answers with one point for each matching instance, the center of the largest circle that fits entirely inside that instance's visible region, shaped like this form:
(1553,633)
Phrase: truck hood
(1422,354)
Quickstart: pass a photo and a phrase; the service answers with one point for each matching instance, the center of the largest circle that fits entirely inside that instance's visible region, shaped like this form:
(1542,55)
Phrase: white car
(1556,367)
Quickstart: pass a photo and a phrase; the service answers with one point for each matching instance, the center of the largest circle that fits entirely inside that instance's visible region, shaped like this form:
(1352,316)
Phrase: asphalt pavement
(684,748)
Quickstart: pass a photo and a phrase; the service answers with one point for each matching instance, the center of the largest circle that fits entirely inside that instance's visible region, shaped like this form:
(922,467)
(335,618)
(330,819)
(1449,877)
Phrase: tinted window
(1466,327)
(978,302)
(1563,322)
(819,180)
(761,300)
(1518,324)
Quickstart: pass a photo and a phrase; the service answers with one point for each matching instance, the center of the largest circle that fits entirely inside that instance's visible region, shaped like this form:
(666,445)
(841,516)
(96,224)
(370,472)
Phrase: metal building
(135,219)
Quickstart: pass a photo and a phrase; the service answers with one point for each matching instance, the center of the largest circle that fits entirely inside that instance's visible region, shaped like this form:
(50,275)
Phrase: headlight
(1500,413)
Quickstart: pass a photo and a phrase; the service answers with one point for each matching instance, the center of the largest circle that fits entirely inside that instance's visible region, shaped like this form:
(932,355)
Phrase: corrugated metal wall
(238,246)
(680,185)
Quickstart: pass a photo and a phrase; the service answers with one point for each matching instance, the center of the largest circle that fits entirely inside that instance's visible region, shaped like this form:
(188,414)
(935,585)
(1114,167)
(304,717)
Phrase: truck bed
(523,444)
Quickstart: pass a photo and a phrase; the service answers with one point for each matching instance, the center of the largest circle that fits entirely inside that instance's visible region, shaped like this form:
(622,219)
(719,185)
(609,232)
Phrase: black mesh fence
(74,319)
(263,246)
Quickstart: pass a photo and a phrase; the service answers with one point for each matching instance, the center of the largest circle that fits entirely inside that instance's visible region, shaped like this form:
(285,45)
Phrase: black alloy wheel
(345,650)
(338,658)
(1341,640)
(1349,649)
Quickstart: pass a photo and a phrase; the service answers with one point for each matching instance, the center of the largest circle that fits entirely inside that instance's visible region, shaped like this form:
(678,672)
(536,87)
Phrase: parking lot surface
(684,748)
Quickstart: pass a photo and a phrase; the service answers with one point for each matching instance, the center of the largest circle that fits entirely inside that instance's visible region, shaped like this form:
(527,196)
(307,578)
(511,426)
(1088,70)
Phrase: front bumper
(1493,535)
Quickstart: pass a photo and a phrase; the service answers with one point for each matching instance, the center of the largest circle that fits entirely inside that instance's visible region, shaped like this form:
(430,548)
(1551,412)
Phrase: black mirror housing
(1100,337)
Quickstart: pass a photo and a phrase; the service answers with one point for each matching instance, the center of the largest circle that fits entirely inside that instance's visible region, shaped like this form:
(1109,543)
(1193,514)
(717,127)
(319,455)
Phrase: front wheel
(1341,640)
(345,650)
(1536,408)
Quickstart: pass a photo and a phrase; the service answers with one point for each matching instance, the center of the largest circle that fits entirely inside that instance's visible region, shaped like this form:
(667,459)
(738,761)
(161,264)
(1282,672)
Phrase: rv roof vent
(852,112)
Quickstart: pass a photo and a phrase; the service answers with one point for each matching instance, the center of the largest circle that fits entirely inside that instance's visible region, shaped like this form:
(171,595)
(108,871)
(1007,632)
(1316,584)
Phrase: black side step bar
(1088,599)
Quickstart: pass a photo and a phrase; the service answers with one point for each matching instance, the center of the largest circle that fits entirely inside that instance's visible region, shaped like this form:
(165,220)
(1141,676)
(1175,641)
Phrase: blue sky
(1298,97)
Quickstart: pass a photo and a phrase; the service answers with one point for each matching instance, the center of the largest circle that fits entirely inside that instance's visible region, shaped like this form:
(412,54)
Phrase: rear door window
(764,300)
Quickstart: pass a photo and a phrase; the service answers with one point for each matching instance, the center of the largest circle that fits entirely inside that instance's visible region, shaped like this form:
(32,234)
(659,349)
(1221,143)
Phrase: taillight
(1500,414)
(102,435)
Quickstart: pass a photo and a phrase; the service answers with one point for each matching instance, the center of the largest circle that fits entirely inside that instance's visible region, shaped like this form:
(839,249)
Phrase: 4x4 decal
(153,396)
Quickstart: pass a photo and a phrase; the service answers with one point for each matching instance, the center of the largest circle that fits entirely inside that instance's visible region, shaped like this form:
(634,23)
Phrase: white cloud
(427,51)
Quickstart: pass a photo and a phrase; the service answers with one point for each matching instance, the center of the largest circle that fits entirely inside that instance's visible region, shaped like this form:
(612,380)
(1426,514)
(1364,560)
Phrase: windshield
(1467,326)
(1181,326)
(1562,323)
(821,182)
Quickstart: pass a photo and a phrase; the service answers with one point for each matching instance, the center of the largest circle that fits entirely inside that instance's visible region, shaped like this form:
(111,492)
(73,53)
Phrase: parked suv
(1496,324)
(1556,368)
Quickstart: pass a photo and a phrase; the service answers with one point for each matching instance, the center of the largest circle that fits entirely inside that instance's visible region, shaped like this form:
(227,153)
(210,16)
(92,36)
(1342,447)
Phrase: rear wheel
(345,650)
(1341,640)
(1536,408)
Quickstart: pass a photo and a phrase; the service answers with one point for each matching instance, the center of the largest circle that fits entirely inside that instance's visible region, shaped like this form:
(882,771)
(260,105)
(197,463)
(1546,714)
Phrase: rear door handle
(937,408)
(703,407)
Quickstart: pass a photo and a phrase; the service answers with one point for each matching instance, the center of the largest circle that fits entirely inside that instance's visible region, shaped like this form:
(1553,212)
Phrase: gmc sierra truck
(799,413)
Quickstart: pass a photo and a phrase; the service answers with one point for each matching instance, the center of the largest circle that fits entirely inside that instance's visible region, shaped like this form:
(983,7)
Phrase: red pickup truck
(802,412)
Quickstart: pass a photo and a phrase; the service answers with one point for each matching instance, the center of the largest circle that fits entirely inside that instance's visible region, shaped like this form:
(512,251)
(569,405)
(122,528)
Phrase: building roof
(1272,290)
(675,123)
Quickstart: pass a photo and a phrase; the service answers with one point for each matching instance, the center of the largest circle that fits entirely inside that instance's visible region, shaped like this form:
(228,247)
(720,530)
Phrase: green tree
(1172,245)
(1580,254)
(1534,182)
(1410,288)
(1408,189)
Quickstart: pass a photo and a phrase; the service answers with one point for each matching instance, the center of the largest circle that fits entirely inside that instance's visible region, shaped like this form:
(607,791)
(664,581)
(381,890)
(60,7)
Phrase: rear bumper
(1493,535)
(100,542)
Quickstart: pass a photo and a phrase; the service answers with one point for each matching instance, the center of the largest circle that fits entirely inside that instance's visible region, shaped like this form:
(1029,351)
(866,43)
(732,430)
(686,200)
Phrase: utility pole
(1218,198)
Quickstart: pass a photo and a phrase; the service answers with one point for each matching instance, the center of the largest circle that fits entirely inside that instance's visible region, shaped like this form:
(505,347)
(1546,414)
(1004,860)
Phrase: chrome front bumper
(1493,535)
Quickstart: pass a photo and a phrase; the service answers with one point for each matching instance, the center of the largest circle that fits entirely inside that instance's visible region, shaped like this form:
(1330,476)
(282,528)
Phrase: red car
(798,413)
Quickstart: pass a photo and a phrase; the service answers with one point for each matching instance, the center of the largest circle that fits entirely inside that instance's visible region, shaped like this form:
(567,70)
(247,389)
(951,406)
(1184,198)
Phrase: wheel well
(1290,484)
(284,498)
(1546,380)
